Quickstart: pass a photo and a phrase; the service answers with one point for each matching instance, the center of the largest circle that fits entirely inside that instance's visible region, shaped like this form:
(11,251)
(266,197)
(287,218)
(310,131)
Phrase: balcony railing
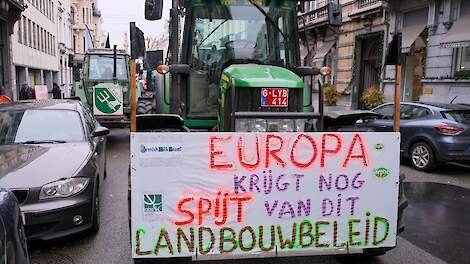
(364,6)
(314,18)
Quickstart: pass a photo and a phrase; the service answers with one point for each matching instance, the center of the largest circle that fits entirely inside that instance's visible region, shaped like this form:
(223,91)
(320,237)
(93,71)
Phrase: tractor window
(235,34)
(101,67)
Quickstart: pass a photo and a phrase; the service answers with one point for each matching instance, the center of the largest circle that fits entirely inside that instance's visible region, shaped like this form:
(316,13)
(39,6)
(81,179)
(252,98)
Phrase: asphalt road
(112,244)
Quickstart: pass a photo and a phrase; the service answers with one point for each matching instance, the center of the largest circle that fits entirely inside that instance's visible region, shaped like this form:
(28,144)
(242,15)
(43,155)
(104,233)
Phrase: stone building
(355,51)
(86,15)
(434,55)
(435,50)
(34,46)
(65,46)
(10,12)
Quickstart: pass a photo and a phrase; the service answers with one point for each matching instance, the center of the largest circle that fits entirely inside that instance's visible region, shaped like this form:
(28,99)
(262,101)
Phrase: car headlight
(63,188)
(270,125)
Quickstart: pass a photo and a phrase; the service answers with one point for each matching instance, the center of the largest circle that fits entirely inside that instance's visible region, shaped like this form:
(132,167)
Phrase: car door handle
(96,154)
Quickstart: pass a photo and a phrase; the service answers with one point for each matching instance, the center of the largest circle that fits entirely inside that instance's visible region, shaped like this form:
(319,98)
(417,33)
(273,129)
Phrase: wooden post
(396,116)
(133,97)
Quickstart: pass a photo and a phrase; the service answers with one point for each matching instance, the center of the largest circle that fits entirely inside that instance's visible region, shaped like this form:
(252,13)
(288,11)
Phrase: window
(30,33)
(25,32)
(38,38)
(40,125)
(34,35)
(463,59)
(20,35)
(74,43)
(410,112)
(72,15)
(385,111)
(53,45)
(83,17)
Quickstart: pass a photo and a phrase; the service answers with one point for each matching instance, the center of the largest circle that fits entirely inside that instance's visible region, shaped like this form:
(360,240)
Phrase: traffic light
(335,16)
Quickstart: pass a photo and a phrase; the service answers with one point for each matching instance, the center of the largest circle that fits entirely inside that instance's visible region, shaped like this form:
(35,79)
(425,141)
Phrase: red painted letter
(363,155)
(325,151)
(240,199)
(201,210)
(214,152)
(184,211)
(314,150)
(241,154)
(273,152)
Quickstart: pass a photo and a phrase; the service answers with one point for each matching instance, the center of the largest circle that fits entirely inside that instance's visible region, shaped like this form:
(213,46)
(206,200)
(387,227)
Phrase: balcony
(366,7)
(313,19)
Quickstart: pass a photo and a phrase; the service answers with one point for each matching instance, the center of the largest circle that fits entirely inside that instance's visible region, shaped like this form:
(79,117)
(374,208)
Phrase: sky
(117,14)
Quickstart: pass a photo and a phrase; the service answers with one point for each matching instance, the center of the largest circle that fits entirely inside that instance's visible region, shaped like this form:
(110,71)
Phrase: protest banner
(231,195)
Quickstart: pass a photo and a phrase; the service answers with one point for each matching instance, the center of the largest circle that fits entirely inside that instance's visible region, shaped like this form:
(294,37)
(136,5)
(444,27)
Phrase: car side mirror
(153,9)
(100,132)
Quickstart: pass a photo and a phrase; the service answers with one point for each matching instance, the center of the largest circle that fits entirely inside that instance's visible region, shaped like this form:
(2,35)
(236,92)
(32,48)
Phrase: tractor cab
(242,59)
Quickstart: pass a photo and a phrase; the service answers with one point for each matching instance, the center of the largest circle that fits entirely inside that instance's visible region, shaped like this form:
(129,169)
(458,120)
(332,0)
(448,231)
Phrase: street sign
(107,100)
(232,195)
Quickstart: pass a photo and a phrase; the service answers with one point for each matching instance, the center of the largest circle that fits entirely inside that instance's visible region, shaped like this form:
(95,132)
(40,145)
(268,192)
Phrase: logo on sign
(160,149)
(382,172)
(153,203)
(106,101)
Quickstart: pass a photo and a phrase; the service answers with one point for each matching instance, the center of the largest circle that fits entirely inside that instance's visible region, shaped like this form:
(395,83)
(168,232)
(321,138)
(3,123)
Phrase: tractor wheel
(145,107)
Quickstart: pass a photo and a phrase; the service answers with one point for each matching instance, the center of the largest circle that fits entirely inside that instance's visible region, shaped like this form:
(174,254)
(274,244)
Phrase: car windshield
(102,67)
(458,116)
(259,32)
(40,126)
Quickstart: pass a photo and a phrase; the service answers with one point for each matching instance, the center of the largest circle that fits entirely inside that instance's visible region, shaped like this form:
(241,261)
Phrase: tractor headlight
(63,188)
(270,125)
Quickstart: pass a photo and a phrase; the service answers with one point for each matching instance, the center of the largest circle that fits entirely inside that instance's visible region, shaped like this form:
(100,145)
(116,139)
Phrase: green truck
(105,87)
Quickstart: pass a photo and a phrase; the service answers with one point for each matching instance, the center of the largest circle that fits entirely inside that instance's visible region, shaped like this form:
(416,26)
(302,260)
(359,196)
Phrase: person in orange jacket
(3,97)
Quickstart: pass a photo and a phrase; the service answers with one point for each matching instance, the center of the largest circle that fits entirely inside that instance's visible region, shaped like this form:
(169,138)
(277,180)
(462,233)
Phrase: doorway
(368,65)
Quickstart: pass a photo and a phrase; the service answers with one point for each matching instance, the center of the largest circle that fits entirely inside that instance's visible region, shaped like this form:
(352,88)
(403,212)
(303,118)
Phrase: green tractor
(238,68)
(105,87)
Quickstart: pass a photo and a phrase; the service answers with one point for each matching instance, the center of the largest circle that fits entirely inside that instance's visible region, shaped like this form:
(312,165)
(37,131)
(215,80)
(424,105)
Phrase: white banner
(231,195)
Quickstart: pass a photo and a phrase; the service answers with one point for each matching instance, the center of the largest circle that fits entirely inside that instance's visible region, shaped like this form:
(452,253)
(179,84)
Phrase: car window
(89,119)
(22,126)
(385,111)
(410,112)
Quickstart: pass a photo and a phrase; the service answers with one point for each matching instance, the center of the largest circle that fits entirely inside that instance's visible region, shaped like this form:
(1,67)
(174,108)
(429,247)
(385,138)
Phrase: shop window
(463,59)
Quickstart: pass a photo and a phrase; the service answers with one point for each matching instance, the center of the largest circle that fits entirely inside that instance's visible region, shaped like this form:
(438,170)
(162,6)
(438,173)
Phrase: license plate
(274,97)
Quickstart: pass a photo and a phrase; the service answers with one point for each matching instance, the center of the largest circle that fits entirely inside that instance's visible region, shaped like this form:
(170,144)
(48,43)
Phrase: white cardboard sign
(232,195)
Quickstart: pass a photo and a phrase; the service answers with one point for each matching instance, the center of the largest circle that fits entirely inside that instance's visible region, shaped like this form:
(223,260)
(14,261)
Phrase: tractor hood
(254,75)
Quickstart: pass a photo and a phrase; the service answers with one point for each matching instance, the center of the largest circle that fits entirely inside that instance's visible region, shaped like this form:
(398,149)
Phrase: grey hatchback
(431,133)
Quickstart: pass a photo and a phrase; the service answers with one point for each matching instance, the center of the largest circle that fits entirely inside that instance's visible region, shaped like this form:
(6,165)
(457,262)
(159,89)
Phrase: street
(112,244)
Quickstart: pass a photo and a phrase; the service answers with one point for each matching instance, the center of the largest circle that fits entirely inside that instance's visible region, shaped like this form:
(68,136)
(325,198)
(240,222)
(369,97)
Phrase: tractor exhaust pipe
(115,63)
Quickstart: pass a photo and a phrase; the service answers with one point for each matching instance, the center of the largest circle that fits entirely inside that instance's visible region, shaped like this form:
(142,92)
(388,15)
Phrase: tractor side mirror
(303,71)
(153,59)
(153,9)
(174,69)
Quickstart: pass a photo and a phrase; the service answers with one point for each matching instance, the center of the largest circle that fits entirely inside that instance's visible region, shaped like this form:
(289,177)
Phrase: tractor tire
(145,107)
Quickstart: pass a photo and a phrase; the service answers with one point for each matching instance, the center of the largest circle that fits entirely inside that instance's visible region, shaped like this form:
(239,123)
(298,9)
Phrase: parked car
(53,158)
(13,245)
(431,133)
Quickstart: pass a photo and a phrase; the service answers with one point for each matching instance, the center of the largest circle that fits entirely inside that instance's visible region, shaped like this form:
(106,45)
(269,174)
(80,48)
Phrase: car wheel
(95,227)
(422,157)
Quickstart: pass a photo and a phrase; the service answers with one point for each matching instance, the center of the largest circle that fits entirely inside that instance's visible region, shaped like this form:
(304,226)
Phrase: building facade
(34,45)
(433,44)
(354,51)
(87,18)
(435,52)
(10,12)
(65,46)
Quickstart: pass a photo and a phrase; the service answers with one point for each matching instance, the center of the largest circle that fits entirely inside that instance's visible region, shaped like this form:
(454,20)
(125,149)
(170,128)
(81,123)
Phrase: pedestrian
(56,92)
(26,92)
